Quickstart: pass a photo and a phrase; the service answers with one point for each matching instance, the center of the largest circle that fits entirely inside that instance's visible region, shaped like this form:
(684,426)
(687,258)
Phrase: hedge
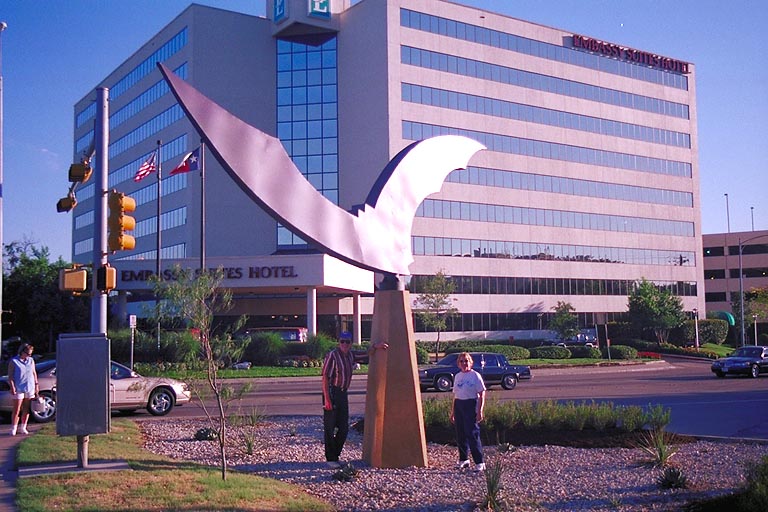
(550,352)
(620,352)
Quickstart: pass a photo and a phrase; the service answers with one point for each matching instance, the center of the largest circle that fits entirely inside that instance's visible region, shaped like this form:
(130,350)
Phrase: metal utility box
(82,384)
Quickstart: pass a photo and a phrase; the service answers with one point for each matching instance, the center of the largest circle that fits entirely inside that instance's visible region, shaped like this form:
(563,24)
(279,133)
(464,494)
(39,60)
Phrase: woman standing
(22,378)
(467,412)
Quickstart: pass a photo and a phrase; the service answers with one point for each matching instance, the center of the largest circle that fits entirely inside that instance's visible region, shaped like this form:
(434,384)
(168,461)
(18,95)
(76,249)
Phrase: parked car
(493,367)
(748,360)
(128,391)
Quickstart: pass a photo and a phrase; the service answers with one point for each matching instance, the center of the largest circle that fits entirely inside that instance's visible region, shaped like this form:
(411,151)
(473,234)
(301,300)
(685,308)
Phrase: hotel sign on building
(629,54)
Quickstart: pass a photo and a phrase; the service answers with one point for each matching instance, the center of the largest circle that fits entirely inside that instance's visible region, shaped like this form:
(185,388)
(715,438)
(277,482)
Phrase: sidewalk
(8,446)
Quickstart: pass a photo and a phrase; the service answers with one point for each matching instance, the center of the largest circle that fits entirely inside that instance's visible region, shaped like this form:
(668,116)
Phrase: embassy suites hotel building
(589,183)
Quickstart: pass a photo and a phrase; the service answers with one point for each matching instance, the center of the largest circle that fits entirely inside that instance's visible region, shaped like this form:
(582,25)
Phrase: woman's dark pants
(467,430)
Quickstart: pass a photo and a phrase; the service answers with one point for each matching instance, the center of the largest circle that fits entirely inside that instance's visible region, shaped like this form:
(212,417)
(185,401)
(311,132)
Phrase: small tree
(656,309)
(196,298)
(434,305)
(564,322)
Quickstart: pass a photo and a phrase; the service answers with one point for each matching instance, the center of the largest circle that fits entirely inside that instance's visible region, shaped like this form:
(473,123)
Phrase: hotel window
(307,113)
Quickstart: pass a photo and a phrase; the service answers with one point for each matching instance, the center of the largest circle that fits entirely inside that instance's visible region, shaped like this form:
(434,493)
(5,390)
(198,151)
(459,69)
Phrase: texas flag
(189,163)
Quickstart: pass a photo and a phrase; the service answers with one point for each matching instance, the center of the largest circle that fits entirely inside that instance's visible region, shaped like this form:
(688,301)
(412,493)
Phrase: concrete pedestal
(394,424)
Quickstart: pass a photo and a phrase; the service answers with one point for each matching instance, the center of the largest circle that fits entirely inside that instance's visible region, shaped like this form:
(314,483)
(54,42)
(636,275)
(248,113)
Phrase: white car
(128,391)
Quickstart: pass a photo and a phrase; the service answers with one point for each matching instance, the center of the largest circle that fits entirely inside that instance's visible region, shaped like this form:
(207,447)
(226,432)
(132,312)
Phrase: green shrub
(437,412)
(422,354)
(621,352)
(265,349)
(585,352)
(602,416)
(657,417)
(511,352)
(319,345)
(550,353)
(711,330)
(755,496)
(631,418)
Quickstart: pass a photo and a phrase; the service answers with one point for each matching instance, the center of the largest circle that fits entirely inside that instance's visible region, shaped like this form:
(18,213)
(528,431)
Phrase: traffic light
(106,278)
(80,173)
(73,279)
(119,222)
(66,204)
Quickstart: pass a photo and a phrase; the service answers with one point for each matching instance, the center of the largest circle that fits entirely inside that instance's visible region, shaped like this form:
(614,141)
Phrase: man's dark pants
(336,423)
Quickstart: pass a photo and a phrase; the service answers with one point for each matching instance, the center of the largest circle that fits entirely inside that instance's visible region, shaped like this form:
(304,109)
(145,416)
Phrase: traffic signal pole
(101,170)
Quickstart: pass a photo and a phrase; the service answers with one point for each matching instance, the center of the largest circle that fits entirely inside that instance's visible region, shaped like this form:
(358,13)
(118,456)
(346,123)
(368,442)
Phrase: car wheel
(509,382)
(443,383)
(160,402)
(720,374)
(754,372)
(50,409)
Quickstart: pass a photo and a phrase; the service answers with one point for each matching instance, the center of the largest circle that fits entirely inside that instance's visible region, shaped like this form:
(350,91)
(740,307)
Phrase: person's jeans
(336,423)
(467,430)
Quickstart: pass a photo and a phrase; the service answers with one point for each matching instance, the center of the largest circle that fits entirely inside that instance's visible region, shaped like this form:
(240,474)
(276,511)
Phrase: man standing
(337,376)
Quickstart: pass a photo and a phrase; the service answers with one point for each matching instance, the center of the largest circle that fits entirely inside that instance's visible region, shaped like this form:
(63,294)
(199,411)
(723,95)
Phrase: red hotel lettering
(629,54)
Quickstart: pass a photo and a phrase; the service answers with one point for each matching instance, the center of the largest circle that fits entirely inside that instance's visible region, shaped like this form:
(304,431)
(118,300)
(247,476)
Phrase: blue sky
(54,52)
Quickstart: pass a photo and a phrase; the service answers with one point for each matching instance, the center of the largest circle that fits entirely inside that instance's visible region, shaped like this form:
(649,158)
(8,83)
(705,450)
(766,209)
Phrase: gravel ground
(536,478)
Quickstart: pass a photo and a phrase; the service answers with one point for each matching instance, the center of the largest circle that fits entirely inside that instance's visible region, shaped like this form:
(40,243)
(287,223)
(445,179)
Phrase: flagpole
(202,205)
(159,225)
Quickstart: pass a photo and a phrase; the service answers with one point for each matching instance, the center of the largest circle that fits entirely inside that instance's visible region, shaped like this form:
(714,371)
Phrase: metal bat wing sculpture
(378,235)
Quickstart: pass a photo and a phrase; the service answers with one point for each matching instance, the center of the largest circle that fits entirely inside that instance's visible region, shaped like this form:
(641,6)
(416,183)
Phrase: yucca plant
(672,478)
(655,442)
(493,472)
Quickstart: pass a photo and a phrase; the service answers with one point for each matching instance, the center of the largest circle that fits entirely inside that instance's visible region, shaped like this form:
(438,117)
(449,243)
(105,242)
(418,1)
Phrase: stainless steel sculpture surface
(376,236)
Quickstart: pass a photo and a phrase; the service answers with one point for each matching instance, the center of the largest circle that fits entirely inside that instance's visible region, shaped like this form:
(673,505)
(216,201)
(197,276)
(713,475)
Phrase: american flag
(146,168)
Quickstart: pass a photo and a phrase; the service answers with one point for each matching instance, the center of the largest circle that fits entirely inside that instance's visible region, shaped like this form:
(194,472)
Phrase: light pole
(741,285)
(696,326)
(3,26)
(727,213)
(754,322)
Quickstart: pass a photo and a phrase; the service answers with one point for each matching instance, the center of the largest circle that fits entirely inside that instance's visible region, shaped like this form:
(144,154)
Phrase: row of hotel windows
(733,250)
(543,149)
(471,248)
(173,252)
(174,183)
(500,285)
(515,43)
(734,273)
(132,138)
(510,110)
(555,184)
(511,76)
(466,322)
(168,220)
(461,210)
(145,99)
(145,67)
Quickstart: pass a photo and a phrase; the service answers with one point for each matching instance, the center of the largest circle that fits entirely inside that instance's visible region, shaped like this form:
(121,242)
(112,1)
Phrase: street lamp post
(3,26)
(696,326)
(754,322)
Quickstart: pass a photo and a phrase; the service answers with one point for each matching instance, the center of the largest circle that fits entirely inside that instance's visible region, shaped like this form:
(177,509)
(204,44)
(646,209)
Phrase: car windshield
(748,352)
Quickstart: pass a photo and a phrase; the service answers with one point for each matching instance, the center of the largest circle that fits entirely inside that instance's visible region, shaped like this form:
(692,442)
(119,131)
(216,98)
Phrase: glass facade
(551,150)
(500,178)
(531,114)
(307,117)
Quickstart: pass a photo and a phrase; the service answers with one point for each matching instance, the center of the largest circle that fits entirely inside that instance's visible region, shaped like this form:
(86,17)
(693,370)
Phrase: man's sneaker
(333,464)
(479,467)
(24,431)
(462,464)
(13,431)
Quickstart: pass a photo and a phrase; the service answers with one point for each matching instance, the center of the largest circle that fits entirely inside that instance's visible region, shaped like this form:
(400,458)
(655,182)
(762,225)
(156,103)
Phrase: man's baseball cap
(345,335)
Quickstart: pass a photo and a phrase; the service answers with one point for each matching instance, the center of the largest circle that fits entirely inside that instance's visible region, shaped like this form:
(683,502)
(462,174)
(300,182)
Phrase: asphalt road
(700,403)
